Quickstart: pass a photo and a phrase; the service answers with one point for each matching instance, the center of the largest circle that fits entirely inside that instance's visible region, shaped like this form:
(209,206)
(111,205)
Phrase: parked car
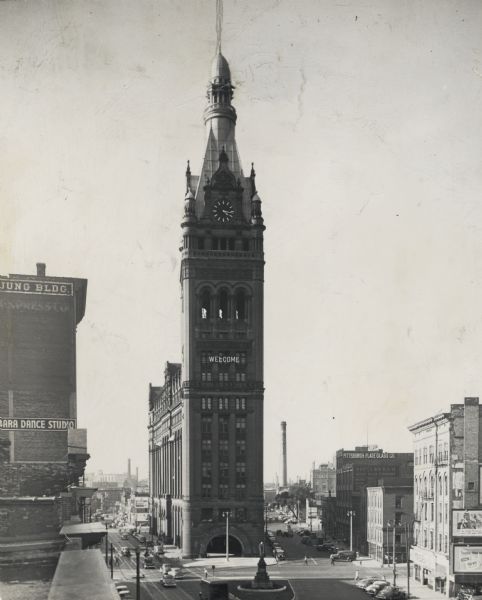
(365,582)
(125,551)
(124,535)
(391,592)
(375,587)
(176,572)
(344,555)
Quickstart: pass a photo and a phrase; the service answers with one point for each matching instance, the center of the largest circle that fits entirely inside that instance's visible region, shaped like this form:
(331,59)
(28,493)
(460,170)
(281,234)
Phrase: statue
(261,550)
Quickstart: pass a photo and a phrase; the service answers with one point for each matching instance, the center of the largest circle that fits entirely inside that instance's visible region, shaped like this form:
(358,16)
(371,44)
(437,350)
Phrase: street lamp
(265,519)
(394,525)
(351,514)
(226,515)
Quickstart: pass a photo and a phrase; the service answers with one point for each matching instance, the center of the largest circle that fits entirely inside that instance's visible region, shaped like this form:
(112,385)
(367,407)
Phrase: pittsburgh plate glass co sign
(11,424)
(24,286)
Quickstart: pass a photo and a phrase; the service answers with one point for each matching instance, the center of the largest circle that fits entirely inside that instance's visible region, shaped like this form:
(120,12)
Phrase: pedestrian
(332,560)
(206,574)
(213,568)
(306,560)
(357,575)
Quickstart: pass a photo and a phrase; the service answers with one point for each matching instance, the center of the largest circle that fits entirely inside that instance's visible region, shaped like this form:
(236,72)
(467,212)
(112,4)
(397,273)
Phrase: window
(398,538)
(223,490)
(240,472)
(200,243)
(223,376)
(223,403)
(206,376)
(223,426)
(206,514)
(206,449)
(424,455)
(223,304)
(240,403)
(240,376)
(240,491)
(241,515)
(446,451)
(205,305)
(231,243)
(240,448)
(223,450)
(246,245)
(431,540)
(206,469)
(398,501)
(240,305)
(241,426)
(206,425)
(206,490)
(430,454)
(223,470)
(470,486)
(398,518)
(439,542)
(206,403)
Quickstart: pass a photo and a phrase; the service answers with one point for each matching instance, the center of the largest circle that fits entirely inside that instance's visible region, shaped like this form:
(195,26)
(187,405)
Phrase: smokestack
(284,477)
(137,474)
(128,468)
(41,269)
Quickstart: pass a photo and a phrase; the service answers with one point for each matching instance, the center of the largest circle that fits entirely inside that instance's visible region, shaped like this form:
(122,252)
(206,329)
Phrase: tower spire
(219,24)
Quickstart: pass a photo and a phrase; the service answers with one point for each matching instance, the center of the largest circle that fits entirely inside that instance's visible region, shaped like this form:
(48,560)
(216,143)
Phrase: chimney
(284,476)
(128,468)
(137,474)
(41,269)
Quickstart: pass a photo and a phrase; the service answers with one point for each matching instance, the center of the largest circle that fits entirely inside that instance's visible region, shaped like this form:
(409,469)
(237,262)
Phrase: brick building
(323,480)
(389,521)
(206,420)
(356,470)
(42,452)
(447,532)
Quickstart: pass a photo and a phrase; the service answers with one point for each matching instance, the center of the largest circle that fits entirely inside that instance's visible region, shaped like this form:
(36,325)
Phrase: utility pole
(112,560)
(138,574)
(106,544)
(408,541)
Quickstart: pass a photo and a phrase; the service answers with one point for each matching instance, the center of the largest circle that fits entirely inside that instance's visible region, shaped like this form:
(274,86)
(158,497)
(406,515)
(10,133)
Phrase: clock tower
(222,265)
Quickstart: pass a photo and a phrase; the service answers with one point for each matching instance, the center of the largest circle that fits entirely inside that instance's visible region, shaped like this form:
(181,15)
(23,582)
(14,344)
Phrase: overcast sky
(364,122)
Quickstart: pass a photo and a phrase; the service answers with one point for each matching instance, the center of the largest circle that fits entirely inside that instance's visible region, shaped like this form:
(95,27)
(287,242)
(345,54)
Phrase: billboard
(467,559)
(467,523)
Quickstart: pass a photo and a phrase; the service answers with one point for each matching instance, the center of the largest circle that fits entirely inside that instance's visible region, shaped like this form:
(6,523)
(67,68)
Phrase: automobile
(124,536)
(365,582)
(327,548)
(141,576)
(149,562)
(344,555)
(304,532)
(119,588)
(123,593)
(375,587)
(391,592)
(125,551)
(280,555)
(176,572)
(168,581)
(469,593)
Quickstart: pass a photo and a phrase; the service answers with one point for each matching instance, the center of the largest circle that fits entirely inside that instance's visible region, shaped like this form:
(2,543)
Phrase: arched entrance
(217,545)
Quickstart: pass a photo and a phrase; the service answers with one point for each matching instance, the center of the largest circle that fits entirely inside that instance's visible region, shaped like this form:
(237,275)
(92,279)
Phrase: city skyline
(363,124)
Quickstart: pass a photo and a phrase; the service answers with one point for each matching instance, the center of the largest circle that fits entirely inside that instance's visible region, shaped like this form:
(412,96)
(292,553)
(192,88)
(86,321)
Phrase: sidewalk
(369,566)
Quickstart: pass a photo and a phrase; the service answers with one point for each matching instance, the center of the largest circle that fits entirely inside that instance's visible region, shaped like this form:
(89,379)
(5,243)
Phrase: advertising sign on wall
(468,559)
(12,424)
(467,523)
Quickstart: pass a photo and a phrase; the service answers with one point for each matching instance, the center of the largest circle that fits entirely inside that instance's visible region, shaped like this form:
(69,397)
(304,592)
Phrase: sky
(363,120)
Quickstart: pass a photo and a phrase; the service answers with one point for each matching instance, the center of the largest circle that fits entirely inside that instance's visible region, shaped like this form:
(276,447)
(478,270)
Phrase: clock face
(223,211)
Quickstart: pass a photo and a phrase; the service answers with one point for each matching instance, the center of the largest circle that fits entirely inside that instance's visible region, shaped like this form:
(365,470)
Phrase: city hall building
(206,419)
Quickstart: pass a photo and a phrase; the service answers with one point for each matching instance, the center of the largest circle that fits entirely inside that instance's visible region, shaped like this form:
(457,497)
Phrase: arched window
(240,305)
(205,305)
(223,304)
